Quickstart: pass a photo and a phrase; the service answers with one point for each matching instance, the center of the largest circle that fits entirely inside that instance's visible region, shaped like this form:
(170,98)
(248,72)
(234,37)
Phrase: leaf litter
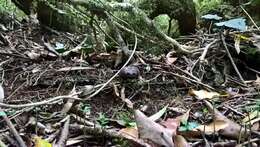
(183,107)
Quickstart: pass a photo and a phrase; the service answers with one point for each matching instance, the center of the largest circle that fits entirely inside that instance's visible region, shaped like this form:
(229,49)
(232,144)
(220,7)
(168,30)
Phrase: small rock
(129,72)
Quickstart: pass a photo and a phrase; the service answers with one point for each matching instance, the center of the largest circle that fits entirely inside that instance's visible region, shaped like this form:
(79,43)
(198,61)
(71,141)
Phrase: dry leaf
(237,44)
(170,59)
(203,94)
(180,141)
(232,130)
(213,127)
(184,118)
(159,114)
(131,132)
(150,130)
(251,116)
(171,124)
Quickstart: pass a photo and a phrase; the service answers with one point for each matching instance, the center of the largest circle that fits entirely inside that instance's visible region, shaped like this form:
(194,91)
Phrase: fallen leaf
(203,94)
(184,118)
(170,59)
(152,131)
(132,132)
(251,116)
(180,141)
(174,123)
(41,142)
(232,130)
(171,124)
(159,114)
(237,44)
(213,127)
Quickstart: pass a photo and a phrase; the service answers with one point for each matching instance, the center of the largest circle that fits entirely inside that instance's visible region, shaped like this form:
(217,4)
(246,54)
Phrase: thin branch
(251,19)
(203,55)
(44,102)
(105,84)
(64,134)
(231,59)
(13,130)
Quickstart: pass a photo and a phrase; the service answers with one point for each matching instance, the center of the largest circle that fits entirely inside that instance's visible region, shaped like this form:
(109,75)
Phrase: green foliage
(7,8)
(255,107)
(204,6)
(126,120)
(162,22)
(85,108)
(7,5)
(121,142)
(188,126)
(102,120)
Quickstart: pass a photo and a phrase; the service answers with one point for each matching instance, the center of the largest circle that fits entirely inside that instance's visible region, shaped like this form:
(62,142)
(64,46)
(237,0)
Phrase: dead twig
(44,102)
(251,19)
(105,84)
(13,130)
(109,133)
(203,55)
(64,134)
(248,142)
(231,59)
(192,80)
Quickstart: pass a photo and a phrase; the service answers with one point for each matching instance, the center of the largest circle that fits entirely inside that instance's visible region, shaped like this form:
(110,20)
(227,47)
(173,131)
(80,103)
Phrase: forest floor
(47,92)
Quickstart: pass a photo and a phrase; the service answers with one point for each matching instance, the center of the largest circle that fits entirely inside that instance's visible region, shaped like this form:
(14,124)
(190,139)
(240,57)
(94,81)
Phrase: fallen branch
(44,102)
(97,131)
(64,134)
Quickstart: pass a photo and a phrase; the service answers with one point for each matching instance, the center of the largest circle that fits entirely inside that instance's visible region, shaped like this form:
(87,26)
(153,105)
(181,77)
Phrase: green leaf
(183,128)
(2,113)
(192,125)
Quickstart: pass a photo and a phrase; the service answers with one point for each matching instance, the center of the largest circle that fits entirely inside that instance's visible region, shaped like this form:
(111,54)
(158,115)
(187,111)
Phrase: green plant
(121,142)
(203,6)
(188,126)
(102,120)
(7,7)
(126,120)
(85,108)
